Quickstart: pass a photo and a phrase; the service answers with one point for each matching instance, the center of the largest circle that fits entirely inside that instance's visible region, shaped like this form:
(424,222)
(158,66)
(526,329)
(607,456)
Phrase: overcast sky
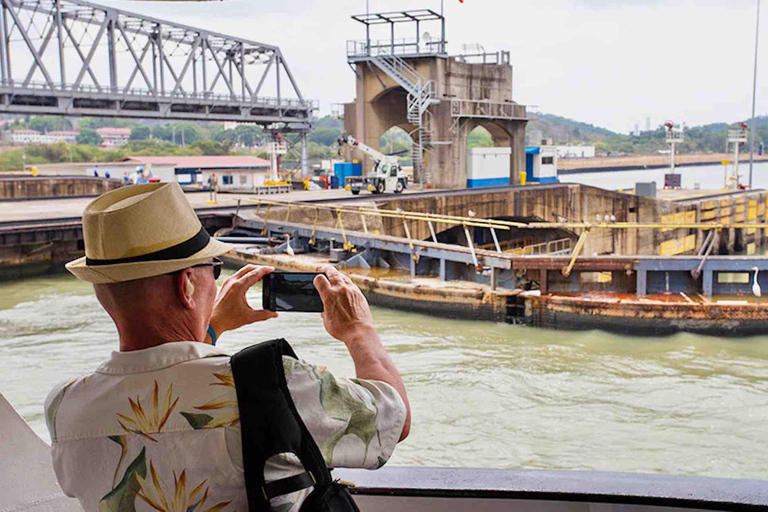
(609,63)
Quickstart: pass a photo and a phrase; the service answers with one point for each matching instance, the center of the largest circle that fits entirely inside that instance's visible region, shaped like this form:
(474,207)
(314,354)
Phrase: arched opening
(479,137)
(489,155)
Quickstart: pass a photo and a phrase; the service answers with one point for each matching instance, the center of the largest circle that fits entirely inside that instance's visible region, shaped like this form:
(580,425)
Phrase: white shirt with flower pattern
(158,430)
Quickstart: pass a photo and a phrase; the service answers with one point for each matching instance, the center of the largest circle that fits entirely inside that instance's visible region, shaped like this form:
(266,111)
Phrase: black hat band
(179,251)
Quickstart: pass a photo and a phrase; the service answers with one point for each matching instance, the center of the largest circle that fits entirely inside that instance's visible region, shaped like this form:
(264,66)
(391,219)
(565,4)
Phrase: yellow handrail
(506,225)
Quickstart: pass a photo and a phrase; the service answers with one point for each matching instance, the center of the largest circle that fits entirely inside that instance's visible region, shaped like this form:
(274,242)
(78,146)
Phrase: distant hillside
(709,138)
(564,130)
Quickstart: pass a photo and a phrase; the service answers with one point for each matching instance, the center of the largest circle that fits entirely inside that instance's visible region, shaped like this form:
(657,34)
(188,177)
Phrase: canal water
(709,177)
(483,394)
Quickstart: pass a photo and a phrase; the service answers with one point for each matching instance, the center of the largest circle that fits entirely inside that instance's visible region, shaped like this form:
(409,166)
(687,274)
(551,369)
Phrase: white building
(233,172)
(68,136)
(114,137)
(576,151)
(27,136)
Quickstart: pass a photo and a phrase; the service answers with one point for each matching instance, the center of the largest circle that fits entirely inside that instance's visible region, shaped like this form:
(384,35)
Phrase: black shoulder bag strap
(270,424)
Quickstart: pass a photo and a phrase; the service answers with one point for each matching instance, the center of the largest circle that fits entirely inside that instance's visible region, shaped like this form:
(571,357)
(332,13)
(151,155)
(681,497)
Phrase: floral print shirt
(158,430)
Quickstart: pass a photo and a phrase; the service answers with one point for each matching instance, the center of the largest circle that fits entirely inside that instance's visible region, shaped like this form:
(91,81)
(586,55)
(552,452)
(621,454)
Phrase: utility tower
(407,79)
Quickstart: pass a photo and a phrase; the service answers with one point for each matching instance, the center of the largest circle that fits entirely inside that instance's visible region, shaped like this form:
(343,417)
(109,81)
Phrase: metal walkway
(71,57)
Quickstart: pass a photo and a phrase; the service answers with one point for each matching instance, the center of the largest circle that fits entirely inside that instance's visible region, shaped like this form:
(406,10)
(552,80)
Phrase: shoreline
(642,167)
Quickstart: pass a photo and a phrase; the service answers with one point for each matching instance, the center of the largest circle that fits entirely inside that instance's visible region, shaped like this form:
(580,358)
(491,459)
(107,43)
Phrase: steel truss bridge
(75,58)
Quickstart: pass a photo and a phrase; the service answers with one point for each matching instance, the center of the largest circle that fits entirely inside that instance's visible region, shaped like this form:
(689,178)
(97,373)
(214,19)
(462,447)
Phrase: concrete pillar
(517,165)
(442,269)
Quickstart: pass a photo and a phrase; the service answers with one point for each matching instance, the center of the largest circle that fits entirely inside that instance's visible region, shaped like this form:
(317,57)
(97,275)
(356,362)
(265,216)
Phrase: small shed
(488,167)
(541,164)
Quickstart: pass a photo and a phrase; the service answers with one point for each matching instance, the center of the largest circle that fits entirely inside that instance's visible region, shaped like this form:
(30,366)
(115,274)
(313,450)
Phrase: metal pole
(205,71)
(242,72)
(154,64)
(61,36)
(3,47)
(112,56)
(194,72)
(160,57)
(754,95)
(736,163)
(304,163)
(7,76)
(672,160)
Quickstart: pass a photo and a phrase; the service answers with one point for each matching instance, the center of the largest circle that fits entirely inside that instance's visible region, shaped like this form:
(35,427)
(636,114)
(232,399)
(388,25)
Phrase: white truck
(386,176)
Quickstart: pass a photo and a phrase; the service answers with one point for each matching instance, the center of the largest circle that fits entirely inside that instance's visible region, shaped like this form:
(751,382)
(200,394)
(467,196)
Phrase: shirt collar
(157,358)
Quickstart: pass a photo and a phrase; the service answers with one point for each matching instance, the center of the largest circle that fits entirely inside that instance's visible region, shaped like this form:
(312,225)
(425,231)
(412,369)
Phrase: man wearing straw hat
(156,426)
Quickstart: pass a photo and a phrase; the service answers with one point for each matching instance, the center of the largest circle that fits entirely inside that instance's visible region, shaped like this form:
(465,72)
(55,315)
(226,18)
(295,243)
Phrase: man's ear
(185,289)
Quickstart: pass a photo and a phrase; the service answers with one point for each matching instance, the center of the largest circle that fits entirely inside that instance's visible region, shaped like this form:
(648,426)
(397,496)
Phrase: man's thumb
(259,315)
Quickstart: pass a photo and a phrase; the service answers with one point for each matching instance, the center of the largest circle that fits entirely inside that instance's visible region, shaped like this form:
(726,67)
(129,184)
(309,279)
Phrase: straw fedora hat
(142,231)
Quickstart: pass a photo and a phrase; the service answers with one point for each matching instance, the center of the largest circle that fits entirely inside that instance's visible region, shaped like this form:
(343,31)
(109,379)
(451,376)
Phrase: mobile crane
(386,176)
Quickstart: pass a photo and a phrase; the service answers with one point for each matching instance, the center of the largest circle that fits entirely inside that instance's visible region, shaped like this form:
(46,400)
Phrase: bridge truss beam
(72,57)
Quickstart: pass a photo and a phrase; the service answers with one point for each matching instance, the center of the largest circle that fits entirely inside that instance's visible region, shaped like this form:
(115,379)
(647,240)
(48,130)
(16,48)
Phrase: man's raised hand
(231,310)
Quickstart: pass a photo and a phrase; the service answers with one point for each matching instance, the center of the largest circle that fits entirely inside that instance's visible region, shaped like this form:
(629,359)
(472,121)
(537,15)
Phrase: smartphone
(291,291)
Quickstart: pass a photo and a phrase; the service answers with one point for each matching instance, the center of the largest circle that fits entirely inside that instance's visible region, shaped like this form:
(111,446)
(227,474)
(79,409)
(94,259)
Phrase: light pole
(754,94)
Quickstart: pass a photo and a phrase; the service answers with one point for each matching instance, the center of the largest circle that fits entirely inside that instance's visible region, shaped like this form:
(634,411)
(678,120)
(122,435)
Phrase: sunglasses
(217,265)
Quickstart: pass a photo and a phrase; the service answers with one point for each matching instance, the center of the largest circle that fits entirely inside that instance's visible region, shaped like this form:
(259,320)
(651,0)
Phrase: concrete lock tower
(437,99)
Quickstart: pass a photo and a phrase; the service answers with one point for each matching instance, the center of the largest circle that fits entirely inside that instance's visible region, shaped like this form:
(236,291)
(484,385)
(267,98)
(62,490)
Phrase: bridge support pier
(463,96)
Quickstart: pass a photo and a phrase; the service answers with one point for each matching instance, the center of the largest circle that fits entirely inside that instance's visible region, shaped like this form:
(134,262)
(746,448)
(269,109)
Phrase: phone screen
(291,291)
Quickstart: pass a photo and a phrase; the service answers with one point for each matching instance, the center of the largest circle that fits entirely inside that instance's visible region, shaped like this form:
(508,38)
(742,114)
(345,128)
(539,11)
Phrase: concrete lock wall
(381,103)
(43,187)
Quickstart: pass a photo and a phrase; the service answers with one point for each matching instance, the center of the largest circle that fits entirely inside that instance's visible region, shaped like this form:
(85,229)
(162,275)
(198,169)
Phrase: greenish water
(483,394)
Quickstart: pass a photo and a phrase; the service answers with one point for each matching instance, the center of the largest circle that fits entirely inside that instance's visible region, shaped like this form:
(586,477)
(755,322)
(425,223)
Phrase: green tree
(89,137)
(325,135)
(140,132)
(212,147)
(247,134)
(49,123)
(95,123)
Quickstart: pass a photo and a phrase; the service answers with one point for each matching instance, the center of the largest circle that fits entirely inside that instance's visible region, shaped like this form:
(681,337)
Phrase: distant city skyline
(597,61)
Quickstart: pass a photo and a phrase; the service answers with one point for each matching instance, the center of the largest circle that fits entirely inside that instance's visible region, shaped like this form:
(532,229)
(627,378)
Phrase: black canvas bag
(270,424)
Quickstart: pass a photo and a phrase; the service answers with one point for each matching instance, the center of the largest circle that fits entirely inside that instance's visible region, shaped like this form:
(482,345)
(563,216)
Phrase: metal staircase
(421,94)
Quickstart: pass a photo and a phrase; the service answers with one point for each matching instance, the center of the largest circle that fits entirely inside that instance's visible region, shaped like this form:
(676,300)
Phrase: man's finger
(243,270)
(322,286)
(254,276)
(334,276)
